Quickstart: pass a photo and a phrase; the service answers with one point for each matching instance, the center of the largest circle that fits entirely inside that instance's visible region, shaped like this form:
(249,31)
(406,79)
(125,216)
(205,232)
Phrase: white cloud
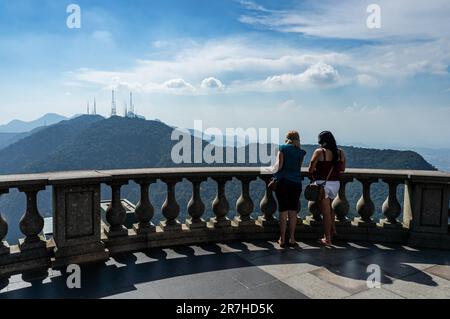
(401,19)
(177,84)
(212,83)
(244,65)
(368,110)
(290,105)
(251,5)
(367,80)
(319,74)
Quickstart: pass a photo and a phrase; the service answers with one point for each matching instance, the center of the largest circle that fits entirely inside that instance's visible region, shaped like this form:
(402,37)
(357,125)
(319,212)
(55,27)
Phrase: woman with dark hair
(289,185)
(327,163)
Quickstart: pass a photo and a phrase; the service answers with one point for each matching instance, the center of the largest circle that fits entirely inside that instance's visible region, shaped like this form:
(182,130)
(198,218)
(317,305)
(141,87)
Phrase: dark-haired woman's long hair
(327,141)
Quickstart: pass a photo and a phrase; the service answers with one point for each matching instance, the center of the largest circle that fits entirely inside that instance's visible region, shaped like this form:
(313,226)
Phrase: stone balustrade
(79,236)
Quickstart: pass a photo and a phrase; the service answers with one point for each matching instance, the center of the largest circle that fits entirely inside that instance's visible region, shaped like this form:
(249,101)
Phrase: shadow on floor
(123,272)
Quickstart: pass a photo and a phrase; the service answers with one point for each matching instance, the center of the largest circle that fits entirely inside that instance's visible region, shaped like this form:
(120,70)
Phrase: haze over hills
(19,126)
(92,142)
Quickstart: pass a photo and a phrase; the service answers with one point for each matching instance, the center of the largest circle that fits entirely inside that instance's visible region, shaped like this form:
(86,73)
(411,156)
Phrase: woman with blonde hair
(289,185)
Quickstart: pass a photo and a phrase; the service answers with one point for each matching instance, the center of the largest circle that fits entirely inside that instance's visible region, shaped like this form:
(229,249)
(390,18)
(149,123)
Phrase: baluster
(170,209)
(116,213)
(195,207)
(32,223)
(144,211)
(220,205)
(340,205)
(244,204)
(391,207)
(365,206)
(315,218)
(268,206)
(4,249)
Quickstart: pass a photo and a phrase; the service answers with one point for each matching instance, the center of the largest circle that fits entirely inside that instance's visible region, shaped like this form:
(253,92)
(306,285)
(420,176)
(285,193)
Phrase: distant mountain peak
(19,126)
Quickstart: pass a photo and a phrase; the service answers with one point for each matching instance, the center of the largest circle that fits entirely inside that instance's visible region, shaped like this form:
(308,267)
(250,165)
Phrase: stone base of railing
(18,262)
(88,253)
(429,240)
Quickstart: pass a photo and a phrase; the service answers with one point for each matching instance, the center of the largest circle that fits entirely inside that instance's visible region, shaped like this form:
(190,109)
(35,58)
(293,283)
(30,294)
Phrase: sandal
(282,244)
(324,242)
(293,244)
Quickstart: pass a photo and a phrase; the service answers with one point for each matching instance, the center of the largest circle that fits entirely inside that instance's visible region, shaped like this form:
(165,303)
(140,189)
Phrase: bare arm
(344,161)
(280,161)
(314,160)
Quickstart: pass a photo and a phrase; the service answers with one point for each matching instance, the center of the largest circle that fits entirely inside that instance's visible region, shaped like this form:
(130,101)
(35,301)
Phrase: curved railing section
(80,236)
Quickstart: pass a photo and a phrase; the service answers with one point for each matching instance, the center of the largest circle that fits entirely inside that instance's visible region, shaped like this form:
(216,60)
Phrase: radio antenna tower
(95,107)
(88,108)
(113,105)
(132,114)
(125,109)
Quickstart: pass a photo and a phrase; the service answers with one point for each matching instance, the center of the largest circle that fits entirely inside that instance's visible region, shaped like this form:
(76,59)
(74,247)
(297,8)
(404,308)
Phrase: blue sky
(305,65)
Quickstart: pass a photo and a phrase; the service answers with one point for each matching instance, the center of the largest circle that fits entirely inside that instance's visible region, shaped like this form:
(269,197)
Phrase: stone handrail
(79,235)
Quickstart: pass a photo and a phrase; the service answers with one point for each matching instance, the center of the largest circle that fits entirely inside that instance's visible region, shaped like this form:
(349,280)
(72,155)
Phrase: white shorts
(331,188)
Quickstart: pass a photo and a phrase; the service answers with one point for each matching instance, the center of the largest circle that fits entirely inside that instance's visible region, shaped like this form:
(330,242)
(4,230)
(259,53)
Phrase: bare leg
(325,209)
(333,221)
(283,227)
(292,225)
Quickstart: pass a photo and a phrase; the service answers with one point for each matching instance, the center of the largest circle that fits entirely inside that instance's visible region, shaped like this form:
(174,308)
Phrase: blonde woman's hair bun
(292,136)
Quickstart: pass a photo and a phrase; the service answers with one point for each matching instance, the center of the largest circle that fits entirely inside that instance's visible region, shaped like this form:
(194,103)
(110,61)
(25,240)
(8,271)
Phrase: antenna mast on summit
(113,105)
(95,107)
(131,105)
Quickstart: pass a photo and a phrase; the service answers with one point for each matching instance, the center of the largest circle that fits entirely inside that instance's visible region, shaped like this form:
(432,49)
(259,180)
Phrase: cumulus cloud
(270,67)
(319,74)
(178,84)
(212,83)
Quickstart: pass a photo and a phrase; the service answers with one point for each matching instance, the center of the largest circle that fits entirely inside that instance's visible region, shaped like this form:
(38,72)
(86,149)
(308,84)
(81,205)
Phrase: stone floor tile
(272,290)
(282,271)
(313,287)
(421,286)
(375,293)
(439,270)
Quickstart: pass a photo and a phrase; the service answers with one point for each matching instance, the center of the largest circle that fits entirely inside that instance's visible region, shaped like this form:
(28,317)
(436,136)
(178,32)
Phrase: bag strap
(329,174)
(332,167)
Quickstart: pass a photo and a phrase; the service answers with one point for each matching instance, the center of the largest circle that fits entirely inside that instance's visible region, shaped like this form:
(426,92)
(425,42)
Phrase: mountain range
(19,126)
(93,142)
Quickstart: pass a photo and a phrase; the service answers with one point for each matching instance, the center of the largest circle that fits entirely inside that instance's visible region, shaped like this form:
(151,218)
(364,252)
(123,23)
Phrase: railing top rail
(102,176)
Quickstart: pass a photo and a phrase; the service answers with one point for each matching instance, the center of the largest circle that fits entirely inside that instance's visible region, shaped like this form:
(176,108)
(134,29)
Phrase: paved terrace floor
(256,269)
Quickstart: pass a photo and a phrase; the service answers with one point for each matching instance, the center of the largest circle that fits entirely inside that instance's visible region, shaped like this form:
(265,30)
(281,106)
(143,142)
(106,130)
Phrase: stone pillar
(4,247)
(391,207)
(220,204)
(268,206)
(426,212)
(244,204)
(144,211)
(170,209)
(116,213)
(195,207)
(32,223)
(365,207)
(340,204)
(77,224)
